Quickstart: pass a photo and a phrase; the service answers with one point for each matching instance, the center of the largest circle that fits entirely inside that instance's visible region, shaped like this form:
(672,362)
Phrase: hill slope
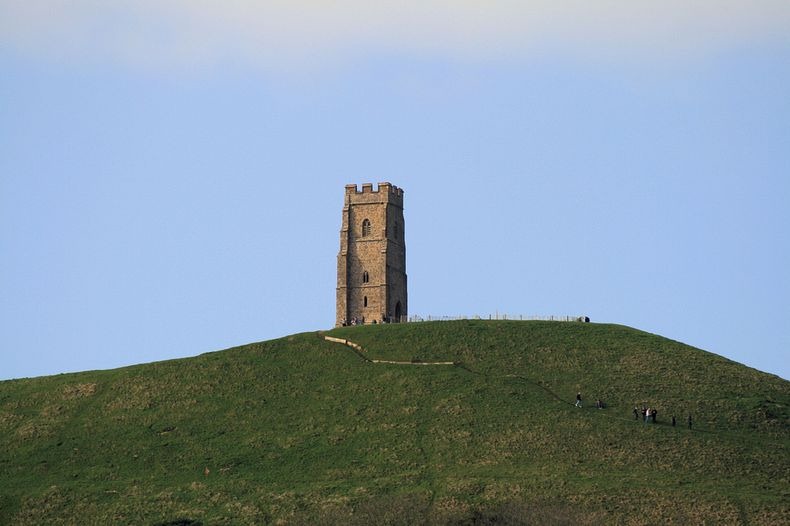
(300,429)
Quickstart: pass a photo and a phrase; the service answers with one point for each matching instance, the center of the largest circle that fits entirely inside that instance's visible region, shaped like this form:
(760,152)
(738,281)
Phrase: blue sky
(172,173)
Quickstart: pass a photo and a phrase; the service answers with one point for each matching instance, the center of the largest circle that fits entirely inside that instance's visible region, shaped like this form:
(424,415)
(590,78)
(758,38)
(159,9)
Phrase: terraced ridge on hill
(299,430)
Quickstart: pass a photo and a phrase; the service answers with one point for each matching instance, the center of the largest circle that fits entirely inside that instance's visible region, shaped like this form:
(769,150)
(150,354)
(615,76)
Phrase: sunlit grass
(303,430)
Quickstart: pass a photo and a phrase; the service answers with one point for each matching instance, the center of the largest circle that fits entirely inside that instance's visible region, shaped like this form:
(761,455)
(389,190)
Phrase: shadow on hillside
(416,510)
(180,522)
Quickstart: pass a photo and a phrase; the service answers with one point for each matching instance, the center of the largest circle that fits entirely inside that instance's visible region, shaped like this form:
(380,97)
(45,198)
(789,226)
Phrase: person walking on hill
(636,413)
(689,420)
(578,399)
(673,420)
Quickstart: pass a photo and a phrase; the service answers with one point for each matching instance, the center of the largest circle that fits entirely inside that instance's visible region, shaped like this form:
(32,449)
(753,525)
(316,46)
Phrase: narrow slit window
(365,277)
(365,301)
(366,228)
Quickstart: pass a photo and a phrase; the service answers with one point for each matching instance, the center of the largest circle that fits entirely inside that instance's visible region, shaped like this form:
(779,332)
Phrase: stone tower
(371,265)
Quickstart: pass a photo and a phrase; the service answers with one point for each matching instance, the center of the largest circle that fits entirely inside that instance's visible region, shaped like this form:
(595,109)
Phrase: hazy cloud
(296,33)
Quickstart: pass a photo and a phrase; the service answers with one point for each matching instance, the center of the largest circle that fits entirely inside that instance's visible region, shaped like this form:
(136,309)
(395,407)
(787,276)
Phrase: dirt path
(359,349)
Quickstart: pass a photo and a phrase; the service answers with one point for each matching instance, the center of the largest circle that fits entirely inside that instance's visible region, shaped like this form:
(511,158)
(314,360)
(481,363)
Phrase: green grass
(300,430)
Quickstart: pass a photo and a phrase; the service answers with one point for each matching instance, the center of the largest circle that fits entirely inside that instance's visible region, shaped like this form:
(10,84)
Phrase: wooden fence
(497,316)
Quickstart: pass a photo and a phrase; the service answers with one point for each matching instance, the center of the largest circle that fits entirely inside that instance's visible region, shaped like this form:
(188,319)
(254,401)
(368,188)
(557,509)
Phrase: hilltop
(303,430)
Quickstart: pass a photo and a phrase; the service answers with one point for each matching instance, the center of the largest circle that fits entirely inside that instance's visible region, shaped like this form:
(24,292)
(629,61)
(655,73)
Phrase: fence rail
(497,316)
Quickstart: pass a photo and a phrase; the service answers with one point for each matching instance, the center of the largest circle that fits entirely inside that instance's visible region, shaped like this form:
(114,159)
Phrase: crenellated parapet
(383,192)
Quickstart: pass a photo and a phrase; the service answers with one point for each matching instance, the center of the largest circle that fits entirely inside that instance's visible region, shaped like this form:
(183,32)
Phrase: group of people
(354,321)
(361,321)
(647,414)
(598,403)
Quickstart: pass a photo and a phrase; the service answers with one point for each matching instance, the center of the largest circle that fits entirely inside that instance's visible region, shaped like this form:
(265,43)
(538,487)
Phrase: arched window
(365,277)
(365,301)
(366,228)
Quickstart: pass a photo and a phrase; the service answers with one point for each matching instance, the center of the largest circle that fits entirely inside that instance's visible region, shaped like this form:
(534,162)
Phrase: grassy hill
(301,430)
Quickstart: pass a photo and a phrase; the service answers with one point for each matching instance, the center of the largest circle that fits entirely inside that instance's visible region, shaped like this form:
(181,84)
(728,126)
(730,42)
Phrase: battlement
(367,188)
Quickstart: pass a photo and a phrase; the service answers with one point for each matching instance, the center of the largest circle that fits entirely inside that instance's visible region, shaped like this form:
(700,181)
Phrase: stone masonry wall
(380,254)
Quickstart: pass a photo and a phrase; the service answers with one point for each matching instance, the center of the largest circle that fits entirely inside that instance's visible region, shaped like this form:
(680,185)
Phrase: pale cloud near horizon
(277,34)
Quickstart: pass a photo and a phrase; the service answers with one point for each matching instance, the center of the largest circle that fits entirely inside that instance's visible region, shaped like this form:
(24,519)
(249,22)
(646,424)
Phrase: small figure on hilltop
(653,415)
(636,413)
(578,399)
(689,420)
(673,420)
(599,404)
